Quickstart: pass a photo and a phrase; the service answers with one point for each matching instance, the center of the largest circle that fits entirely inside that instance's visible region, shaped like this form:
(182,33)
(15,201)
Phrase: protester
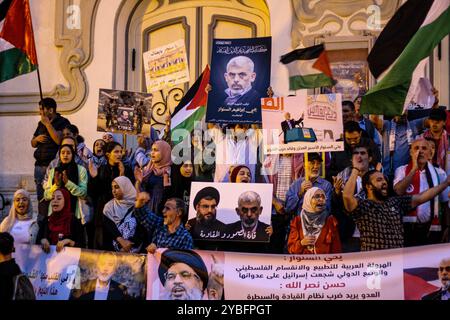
(314,231)
(121,230)
(21,222)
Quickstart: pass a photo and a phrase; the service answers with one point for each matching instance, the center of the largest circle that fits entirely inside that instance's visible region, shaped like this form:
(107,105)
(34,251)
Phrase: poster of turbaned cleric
(124,112)
(166,66)
(240,77)
(230,211)
(79,274)
(302,123)
(175,274)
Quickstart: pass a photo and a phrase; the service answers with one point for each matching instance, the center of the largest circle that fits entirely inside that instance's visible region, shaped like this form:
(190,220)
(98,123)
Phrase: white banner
(166,66)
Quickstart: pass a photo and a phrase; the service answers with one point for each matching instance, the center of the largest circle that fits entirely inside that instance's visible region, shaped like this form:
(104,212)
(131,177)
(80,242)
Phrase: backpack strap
(126,215)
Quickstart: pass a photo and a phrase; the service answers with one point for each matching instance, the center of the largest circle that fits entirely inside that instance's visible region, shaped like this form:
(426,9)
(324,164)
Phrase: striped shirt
(161,237)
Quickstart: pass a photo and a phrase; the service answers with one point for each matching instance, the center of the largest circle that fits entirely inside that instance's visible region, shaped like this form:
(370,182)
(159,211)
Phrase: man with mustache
(249,228)
(437,120)
(294,196)
(379,217)
(444,276)
(352,138)
(205,225)
(422,225)
(348,232)
(102,287)
(183,274)
(239,77)
(167,231)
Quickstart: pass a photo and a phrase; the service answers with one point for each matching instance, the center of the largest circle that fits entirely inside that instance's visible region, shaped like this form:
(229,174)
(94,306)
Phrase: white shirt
(230,152)
(423,211)
(101,293)
(21,231)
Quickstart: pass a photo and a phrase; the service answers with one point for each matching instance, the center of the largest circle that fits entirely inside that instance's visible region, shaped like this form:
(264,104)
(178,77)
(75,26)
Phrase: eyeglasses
(447,268)
(252,209)
(185,275)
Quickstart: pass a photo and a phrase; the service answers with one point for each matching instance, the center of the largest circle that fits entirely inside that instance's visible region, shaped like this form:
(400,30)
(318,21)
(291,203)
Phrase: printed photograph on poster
(302,123)
(124,112)
(53,275)
(106,275)
(175,274)
(426,273)
(166,66)
(352,79)
(230,211)
(240,77)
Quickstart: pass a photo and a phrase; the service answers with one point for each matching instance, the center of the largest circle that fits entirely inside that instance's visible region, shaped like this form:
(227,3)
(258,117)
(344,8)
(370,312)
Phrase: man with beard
(352,138)
(239,77)
(102,287)
(168,231)
(444,276)
(183,274)
(422,225)
(249,228)
(348,232)
(294,196)
(379,217)
(437,120)
(205,225)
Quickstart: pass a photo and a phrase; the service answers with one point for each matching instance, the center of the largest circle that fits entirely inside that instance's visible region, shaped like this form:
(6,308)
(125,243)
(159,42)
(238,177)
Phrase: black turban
(207,192)
(189,257)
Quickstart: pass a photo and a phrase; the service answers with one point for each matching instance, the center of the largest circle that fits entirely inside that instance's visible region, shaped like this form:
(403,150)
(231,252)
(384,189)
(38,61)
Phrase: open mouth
(178,292)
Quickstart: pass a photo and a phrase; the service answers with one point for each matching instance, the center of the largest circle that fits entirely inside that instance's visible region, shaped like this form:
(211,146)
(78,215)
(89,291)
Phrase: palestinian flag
(308,68)
(192,107)
(406,41)
(17,48)
(419,282)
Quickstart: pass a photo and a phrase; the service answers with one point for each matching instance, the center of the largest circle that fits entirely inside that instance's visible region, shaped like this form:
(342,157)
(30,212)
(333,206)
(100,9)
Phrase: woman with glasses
(314,231)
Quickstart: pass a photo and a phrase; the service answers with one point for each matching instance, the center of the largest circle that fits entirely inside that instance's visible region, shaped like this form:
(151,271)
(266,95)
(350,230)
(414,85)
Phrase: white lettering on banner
(51,274)
(299,277)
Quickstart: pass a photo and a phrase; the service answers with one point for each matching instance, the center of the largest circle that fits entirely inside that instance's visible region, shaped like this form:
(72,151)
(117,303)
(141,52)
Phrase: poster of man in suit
(240,77)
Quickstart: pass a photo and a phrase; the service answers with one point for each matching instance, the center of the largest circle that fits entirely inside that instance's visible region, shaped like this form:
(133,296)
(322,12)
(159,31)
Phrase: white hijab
(117,209)
(312,221)
(9,221)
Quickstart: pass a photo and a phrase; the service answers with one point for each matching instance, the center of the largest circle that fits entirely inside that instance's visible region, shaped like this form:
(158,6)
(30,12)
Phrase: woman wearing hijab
(72,177)
(241,174)
(20,222)
(100,188)
(182,177)
(121,230)
(314,231)
(60,227)
(155,176)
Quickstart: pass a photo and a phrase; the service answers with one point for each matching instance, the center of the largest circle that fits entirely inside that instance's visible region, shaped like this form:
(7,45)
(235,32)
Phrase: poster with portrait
(240,77)
(352,79)
(426,272)
(185,275)
(166,66)
(53,275)
(302,123)
(106,275)
(230,211)
(81,274)
(124,112)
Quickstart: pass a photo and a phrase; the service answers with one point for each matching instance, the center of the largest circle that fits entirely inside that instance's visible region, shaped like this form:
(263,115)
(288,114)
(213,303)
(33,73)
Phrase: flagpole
(39,82)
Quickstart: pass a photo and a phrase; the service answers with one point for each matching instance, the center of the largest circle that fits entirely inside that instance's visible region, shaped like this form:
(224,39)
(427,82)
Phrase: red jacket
(327,242)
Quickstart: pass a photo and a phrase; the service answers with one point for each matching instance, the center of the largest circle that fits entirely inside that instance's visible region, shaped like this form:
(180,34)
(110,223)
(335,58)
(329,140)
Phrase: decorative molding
(76,54)
(216,18)
(310,18)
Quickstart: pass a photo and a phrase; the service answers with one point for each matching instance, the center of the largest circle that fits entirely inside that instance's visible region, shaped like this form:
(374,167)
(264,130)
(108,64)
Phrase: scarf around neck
(115,209)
